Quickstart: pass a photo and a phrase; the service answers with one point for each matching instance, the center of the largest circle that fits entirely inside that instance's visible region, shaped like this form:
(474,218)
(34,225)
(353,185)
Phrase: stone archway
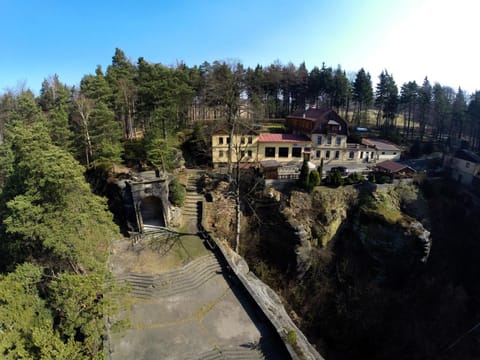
(151,209)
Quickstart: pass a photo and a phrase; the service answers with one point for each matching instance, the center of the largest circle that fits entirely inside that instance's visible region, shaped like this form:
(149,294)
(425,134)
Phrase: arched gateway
(151,210)
(150,202)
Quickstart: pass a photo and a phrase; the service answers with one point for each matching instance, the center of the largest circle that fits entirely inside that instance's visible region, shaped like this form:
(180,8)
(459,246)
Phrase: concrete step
(187,278)
(231,354)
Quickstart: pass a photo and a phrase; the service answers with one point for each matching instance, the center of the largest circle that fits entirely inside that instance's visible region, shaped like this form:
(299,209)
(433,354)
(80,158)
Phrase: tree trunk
(237,223)
(238,213)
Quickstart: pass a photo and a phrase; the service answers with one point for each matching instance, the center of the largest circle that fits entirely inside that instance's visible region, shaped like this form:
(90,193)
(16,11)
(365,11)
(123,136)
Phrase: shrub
(304,175)
(176,193)
(334,179)
(313,180)
(354,178)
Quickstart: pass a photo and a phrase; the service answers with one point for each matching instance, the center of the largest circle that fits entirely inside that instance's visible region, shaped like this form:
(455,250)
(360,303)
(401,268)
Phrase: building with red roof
(395,169)
(314,134)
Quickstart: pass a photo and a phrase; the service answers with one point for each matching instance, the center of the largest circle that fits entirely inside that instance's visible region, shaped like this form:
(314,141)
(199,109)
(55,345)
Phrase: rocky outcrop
(321,213)
(396,241)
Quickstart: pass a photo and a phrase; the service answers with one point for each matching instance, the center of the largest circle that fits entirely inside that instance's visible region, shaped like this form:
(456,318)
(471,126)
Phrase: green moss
(291,337)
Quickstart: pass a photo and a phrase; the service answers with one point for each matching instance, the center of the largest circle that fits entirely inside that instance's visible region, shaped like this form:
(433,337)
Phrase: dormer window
(333,126)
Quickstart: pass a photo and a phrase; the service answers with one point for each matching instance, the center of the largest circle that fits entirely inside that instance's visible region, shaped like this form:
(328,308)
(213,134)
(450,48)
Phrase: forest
(55,291)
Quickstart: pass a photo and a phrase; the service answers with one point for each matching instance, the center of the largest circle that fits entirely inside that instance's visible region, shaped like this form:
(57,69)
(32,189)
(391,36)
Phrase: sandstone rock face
(396,241)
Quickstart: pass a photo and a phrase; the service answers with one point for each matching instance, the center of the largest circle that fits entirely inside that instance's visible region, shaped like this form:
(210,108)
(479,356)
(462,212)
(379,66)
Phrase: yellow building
(282,147)
(244,147)
(315,134)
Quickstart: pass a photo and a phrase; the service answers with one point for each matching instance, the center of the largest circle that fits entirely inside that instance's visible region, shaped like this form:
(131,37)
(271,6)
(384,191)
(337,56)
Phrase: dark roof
(273,137)
(321,119)
(392,166)
(467,156)
(381,144)
(270,164)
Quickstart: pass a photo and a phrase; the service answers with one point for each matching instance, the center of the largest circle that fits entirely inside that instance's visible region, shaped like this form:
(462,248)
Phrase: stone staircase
(231,354)
(186,278)
(190,207)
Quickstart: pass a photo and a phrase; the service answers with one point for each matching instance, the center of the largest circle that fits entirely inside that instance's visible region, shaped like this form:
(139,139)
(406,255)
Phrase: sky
(411,39)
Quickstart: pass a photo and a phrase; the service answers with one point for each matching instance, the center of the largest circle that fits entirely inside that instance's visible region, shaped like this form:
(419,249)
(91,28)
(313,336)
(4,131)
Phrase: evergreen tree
(303,180)
(362,94)
(386,100)
(121,76)
(340,93)
(459,109)
(48,207)
(424,106)
(55,102)
(408,101)
(313,180)
(441,110)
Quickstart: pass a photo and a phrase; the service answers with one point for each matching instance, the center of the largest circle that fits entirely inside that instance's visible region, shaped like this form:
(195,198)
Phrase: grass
(386,208)
(189,247)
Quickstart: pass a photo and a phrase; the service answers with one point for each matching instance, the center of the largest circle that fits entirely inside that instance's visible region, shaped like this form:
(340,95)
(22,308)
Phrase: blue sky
(410,38)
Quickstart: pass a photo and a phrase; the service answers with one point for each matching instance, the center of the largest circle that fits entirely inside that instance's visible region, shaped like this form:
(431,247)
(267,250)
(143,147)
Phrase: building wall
(287,149)
(388,155)
(243,146)
(300,126)
(329,141)
(464,171)
(250,150)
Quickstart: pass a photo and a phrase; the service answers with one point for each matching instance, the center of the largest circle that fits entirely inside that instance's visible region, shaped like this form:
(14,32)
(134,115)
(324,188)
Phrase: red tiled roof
(269,137)
(392,166)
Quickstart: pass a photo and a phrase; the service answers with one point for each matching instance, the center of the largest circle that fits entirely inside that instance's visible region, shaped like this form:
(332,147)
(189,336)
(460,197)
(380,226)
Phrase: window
(318,154)
(319,140)
(394,153)
(337,154)
(361,154)
(249,152)
(327,154)
(329,140)
(297,152)
(228,140)
(250,139)
(269,152)
(242,140)
(283,152)
(220,141)
(383,152)
(351,155)
(338,140)
(220,153)
(242,154)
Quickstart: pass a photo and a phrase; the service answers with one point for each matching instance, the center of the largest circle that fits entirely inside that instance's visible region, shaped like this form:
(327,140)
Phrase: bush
(354,178)
(334,179)
(380,177)
(176,193)
(313,180)
(304,175)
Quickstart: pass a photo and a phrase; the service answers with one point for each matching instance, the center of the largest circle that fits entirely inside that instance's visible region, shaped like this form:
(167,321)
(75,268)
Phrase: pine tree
(303,180)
